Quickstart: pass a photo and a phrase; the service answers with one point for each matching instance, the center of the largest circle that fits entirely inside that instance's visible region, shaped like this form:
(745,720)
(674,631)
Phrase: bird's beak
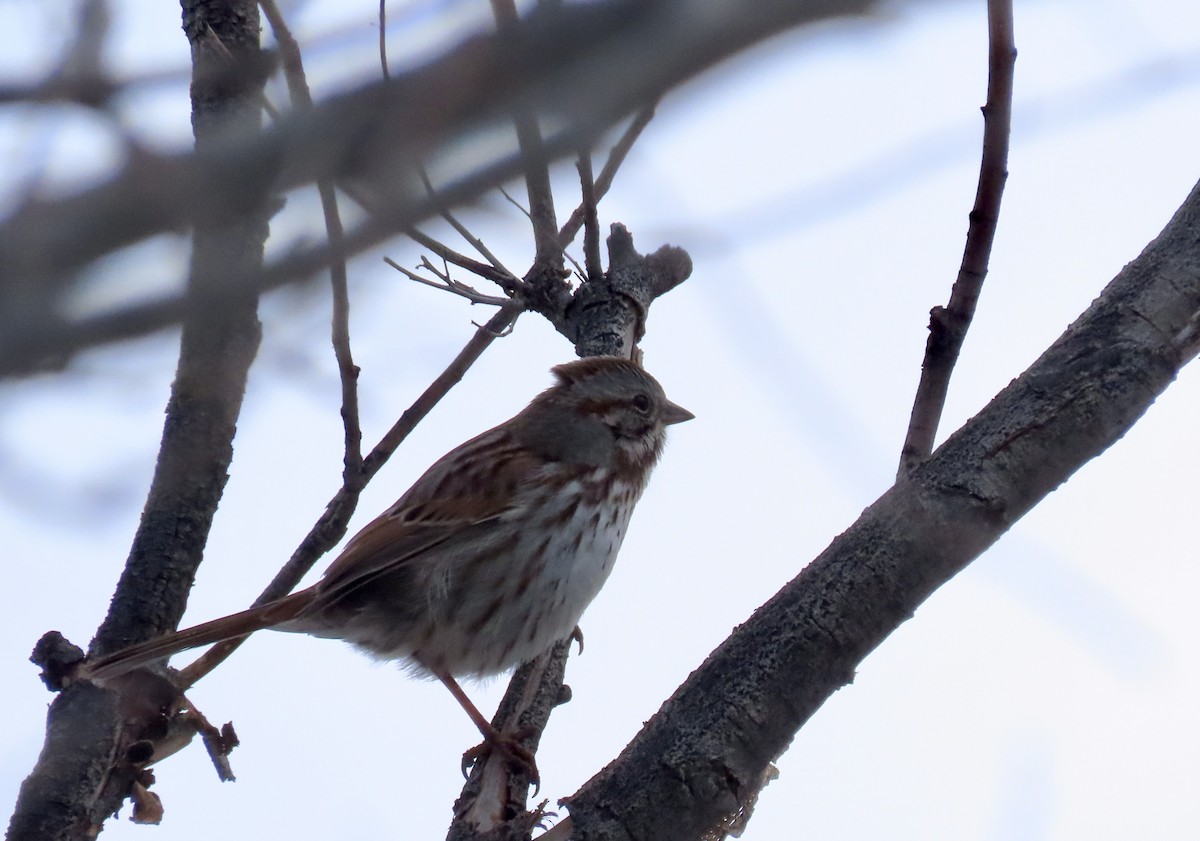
(675,414)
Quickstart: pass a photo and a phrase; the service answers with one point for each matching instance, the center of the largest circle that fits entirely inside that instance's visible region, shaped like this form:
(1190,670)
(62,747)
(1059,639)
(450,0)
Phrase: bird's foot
(519,758)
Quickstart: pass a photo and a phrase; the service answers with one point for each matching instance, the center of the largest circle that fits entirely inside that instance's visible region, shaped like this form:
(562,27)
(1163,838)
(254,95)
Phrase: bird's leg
(493,739)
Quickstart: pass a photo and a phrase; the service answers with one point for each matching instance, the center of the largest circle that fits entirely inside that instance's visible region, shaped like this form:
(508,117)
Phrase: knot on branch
(58,658)
(546,288)
(609,314)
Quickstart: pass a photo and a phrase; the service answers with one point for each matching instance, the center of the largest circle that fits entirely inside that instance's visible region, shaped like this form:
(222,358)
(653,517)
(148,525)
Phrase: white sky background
(822,185)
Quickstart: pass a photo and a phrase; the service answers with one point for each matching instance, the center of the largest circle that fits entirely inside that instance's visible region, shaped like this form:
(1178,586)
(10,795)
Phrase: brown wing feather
(461,489)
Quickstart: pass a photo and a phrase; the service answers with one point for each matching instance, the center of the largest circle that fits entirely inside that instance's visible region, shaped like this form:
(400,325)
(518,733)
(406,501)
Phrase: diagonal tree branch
(704,755)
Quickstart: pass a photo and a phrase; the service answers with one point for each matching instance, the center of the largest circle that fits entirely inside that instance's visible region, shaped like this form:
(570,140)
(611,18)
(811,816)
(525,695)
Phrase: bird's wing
(472,485)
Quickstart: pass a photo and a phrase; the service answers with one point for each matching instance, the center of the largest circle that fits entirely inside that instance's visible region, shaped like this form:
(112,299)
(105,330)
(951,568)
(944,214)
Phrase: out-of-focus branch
(80,78)
(578,67)
(948,325)
(533,157)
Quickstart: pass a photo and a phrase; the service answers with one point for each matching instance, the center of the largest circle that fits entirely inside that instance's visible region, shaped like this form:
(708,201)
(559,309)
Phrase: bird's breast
(507,602)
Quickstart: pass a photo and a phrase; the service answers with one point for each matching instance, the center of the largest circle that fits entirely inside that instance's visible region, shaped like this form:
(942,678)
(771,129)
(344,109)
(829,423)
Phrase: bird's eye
(641,402)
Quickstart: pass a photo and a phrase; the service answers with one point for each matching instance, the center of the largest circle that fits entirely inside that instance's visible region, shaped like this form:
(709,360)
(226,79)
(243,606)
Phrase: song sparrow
(492,556)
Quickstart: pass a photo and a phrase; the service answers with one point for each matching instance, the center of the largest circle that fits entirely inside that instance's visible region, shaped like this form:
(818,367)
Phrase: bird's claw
(519,758)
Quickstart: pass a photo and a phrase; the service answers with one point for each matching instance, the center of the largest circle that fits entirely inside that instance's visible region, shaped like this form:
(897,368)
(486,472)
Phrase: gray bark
(92,750)
(700,761)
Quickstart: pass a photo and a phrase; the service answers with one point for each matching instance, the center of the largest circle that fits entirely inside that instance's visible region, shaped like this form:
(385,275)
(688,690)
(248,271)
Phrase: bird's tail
(235,625)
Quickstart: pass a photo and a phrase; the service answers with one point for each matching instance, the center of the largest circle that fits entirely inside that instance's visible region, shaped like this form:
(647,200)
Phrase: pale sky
(821,185)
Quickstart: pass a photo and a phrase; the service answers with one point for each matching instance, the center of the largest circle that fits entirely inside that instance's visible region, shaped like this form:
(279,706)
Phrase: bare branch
(383,60)
(293,68)
(548,253)
(447,284)
(217,346)
(463,232)
(616,157)
(548,63)
(691,765)
(591,224)
(948,326)
(499,276)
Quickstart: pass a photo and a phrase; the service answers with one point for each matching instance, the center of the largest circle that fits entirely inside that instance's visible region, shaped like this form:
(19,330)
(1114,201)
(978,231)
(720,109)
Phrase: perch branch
(709,746)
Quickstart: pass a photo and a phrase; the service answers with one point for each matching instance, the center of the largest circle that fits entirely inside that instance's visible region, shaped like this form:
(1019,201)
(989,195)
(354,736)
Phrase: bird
(493,554)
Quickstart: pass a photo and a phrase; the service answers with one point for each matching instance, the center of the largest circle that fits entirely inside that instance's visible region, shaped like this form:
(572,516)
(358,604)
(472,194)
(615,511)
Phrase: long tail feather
(227,627)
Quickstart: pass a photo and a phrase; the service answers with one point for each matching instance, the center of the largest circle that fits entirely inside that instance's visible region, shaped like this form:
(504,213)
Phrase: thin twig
(383,61)
(496,273)
(331,527)
(566,256)
(616,157)
(499,276)
(561,831)
(533,155)
(463,232)
(591,223)
(516,203)
(580,272)
(293,70)
(448,284)
(948,325)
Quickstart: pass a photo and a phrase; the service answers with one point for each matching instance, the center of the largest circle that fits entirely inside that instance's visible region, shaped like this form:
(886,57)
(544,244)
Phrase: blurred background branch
(578,68)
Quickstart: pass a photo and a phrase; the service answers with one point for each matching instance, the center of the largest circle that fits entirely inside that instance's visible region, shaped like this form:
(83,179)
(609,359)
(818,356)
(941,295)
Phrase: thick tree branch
(80,779)
(948,325)
(705,752)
